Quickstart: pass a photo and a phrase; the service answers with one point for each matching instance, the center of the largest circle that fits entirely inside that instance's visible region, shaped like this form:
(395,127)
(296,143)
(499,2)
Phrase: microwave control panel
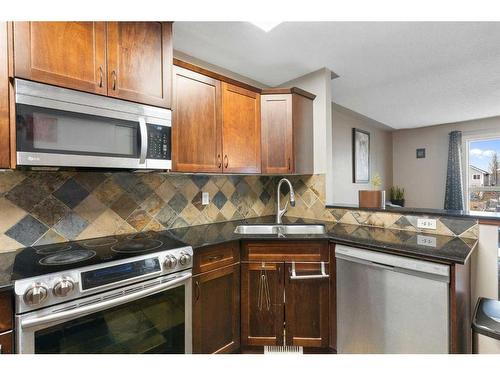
(159,141)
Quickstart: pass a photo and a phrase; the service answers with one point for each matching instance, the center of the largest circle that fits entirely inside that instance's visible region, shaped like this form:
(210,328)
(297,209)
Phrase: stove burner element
(136,245)
(67,257)
(55,248)
(97,242)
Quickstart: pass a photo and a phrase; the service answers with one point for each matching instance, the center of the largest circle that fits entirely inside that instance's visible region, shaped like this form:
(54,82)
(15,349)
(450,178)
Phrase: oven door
(58,127)
(149,317)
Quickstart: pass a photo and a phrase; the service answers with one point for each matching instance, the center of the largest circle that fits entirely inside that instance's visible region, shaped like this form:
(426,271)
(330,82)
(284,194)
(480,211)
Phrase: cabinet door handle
(219,161)
(197,293)
(226,161)
(113,75)
(215,258)
(100,76)
(289,165)
(322,275)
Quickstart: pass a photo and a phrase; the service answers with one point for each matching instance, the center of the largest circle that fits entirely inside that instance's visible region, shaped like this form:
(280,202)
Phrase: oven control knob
(184,259)
(35,294)
(170,262)
(63,287)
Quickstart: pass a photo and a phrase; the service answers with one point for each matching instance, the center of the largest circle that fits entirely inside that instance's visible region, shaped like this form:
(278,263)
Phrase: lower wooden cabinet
(277,307)
(306,306)
(262,307)
(216,311)
(6,340)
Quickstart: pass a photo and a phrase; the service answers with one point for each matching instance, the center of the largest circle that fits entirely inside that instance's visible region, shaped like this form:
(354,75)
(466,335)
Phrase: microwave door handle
(102,305)
(143,129)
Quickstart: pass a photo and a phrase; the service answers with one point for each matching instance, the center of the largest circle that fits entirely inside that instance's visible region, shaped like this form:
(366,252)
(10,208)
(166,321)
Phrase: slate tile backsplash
(50,207)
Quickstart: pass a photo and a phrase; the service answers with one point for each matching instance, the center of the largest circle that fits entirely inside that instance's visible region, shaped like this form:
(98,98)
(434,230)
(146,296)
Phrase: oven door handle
(102,305)
(143,128)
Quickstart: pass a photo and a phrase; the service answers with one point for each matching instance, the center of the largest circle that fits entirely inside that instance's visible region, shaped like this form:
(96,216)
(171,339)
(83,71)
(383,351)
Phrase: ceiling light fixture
(266,25)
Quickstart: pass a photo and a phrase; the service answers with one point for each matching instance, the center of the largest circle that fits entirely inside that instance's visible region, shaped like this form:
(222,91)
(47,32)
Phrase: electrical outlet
(425,223)
(205,198)
(426,240)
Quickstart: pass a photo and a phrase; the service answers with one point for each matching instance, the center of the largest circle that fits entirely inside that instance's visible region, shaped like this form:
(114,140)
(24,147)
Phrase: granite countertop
(476,215)
(447,249)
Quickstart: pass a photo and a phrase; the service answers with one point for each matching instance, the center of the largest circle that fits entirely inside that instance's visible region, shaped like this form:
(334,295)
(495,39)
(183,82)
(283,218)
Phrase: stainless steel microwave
(58,127)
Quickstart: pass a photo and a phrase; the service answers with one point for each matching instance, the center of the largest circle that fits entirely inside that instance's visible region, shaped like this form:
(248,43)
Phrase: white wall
(425,179)
(345,191)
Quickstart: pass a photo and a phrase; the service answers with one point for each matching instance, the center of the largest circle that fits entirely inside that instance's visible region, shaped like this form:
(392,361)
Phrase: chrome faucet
(280,212)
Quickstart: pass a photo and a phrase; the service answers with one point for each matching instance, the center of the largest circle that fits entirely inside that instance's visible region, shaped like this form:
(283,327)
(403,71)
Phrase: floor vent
(283,350)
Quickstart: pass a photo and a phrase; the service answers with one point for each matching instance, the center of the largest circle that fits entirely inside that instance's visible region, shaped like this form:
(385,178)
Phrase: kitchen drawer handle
(100,76)
(322,275)
(113,75)
(226,161)
(215,258)
(219,161)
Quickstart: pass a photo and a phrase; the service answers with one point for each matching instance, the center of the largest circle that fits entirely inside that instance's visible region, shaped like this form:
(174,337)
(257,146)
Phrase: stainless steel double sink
(280,229)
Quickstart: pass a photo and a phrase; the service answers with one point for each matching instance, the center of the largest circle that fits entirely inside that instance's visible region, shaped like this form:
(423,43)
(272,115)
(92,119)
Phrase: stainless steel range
(119,294)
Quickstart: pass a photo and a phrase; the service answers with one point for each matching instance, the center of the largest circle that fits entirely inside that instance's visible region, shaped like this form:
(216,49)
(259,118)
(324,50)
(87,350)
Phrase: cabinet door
(262,306)
(277,133)
(67,54)
(4,100)
(216,311)
(140,61)
(240,130)
(307,306)
(197,126)
(6,342)
(6,311)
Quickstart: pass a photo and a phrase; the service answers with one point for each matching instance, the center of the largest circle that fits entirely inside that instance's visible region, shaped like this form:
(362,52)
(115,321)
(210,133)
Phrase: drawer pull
(215,258)
(322,275)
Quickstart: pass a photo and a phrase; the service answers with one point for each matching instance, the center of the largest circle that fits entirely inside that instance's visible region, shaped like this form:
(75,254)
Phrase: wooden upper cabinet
(240,130)
(287,131)
(140,61)
(277,133)
(196,127)
(67,54)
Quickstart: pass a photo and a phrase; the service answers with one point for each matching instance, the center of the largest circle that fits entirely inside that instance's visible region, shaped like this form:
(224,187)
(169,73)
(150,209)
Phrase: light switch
(205,198)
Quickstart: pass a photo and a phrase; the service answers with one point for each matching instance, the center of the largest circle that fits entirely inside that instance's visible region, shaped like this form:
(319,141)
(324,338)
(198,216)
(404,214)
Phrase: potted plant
(397,196)
(373,198)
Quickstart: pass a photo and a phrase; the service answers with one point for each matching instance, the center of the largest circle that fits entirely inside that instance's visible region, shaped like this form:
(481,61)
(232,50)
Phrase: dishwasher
(390,304)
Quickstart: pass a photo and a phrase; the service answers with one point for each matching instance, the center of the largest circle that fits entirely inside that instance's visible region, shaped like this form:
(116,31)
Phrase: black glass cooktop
(40,260)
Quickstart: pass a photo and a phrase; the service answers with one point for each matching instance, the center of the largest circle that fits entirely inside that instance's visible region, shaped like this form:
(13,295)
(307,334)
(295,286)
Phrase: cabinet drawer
(217,256)
(285,251)
(6,311)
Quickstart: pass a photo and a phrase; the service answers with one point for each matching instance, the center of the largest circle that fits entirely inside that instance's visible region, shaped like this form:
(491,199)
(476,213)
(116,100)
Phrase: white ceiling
(399,73)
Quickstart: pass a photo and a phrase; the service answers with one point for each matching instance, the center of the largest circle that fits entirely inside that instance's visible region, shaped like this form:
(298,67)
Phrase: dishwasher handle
(394,263)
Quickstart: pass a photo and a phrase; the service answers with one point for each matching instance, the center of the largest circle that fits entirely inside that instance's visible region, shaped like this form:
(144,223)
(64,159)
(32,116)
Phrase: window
(483,171)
